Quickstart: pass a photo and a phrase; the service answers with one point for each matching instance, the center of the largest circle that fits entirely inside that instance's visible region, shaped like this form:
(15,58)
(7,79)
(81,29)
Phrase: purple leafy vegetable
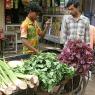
(77,54)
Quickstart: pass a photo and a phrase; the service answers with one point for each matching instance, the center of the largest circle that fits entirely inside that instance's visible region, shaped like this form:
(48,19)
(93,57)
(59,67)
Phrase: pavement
(90,90)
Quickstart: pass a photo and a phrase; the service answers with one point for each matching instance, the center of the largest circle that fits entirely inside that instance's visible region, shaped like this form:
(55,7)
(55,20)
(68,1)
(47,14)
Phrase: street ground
(90,90)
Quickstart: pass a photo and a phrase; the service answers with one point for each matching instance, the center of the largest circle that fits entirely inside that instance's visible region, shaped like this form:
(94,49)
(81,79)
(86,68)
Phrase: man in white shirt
(74,26)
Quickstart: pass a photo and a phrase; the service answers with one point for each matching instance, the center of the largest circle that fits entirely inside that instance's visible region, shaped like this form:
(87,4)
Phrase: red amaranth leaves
(77,54)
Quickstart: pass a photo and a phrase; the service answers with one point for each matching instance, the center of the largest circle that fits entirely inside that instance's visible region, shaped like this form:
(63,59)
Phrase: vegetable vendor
(30,30)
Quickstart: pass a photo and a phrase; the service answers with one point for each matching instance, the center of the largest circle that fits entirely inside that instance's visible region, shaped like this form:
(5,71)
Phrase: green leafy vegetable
(48,69)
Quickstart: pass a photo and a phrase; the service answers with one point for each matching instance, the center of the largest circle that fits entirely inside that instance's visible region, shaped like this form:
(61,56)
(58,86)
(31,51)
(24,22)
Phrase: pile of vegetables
(10,81)
(48,69)
(77,54)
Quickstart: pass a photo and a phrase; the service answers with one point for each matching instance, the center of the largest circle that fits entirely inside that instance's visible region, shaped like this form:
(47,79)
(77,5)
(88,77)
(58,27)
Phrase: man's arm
(27,44)
(63,32)
(42,34)
(87,32)
(47,24)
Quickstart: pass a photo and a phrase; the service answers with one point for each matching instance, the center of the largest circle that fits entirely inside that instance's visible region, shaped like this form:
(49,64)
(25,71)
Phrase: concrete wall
(2,16)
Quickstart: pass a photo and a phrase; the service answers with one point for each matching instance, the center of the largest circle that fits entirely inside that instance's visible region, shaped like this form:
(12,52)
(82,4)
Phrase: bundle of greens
(77,54)
(48,69)
(10,81)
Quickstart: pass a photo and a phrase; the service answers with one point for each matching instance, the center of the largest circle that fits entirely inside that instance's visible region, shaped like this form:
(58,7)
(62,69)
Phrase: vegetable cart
(73,86)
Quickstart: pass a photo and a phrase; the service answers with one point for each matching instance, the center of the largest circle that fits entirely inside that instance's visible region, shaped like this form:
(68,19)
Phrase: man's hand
(36,51)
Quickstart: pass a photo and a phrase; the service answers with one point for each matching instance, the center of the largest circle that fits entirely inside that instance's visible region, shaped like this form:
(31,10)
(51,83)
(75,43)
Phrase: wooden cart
(74,86)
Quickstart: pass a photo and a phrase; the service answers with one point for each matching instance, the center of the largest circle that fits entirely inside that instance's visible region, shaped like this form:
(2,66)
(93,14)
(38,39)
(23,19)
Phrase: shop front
(15,11)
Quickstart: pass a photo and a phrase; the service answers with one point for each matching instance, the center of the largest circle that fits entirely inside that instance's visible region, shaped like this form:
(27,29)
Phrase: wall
(88,5)
(2,17)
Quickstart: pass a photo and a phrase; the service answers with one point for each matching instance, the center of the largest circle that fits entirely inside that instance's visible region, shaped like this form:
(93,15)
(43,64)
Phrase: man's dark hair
(34,8)
(76,3)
